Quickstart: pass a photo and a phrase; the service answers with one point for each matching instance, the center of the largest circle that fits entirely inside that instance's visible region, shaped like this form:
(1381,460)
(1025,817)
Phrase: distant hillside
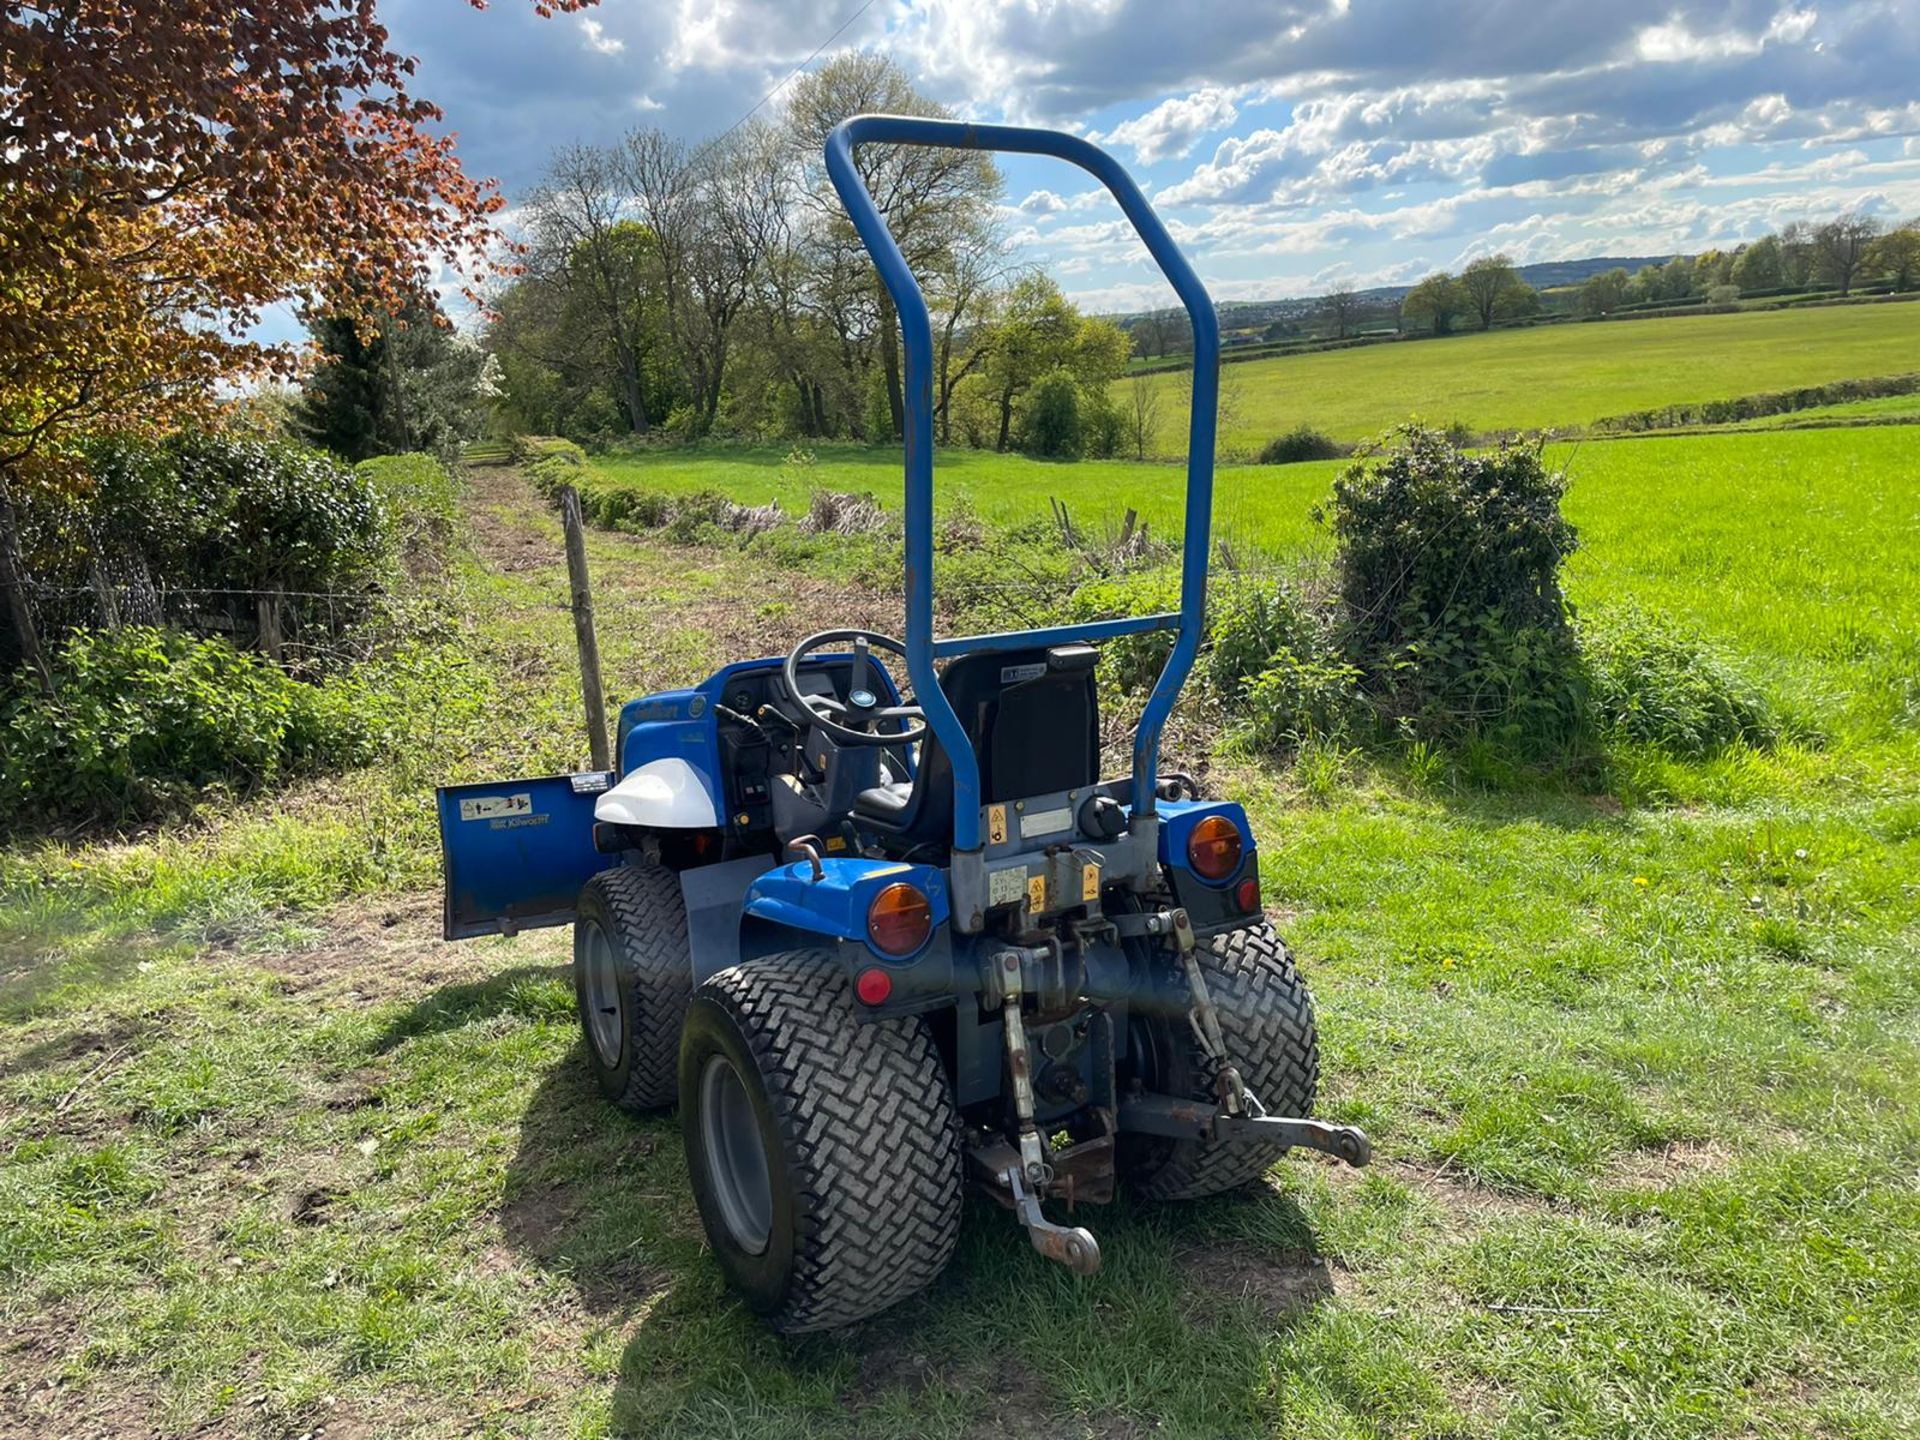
(1549,273)
(1543,276)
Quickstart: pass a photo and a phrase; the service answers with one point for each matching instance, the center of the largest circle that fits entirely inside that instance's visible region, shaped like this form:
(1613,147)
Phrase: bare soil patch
(1280,1284)
(1668,1165)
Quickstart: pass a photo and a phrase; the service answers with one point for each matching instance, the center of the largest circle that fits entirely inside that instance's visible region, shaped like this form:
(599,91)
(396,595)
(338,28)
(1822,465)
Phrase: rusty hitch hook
(1072,1246)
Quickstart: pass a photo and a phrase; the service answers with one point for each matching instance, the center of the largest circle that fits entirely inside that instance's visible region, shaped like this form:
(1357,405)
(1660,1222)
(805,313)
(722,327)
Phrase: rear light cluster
(1214,848)
(898,923)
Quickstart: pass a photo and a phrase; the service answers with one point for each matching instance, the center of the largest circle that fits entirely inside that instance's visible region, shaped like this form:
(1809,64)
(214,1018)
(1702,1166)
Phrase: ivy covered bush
(1451,608)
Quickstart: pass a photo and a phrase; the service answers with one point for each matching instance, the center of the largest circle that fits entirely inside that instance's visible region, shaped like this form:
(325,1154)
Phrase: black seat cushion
(886,801)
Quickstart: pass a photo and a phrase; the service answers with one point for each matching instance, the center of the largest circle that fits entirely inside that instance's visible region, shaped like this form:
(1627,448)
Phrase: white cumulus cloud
(1168,131)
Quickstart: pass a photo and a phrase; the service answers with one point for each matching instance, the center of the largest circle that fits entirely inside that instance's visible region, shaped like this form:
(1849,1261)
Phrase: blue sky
(1291,145)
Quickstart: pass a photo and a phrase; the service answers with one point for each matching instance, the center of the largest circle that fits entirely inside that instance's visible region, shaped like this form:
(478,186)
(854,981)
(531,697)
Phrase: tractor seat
(1034,721)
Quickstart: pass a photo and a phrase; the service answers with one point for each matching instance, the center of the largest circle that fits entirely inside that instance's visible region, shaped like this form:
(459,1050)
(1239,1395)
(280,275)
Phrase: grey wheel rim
(603,997)
(736,1161)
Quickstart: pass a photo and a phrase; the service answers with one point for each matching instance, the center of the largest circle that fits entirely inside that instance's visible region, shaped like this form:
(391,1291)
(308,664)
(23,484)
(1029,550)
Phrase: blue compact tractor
(878,944)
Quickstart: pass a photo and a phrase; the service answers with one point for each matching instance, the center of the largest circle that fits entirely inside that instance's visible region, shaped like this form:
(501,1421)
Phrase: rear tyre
(632,977)
(1266,1021)
(824,1149)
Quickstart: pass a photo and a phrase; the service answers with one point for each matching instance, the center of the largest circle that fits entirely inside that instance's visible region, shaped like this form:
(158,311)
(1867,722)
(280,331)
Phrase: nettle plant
(1451,607)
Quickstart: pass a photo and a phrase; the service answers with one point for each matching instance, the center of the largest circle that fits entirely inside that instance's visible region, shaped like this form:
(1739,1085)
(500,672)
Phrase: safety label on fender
(591,782)
(996,824)
(495,807)
(1006,887)
(1014,674)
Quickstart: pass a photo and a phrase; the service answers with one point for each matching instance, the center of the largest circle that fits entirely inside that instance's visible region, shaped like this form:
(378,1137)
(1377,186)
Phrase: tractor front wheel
(632,976)
(1266,1021)
(824,1150)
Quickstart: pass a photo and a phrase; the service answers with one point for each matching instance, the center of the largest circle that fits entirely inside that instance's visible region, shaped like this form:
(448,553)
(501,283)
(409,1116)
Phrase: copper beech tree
(170,167)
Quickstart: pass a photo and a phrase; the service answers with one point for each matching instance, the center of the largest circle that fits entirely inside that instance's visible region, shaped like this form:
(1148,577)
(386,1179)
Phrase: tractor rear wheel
(824,1149)
(632,976)
(1267,1024)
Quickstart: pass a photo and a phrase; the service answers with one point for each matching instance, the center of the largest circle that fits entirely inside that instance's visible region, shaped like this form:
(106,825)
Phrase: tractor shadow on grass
(1175,1333)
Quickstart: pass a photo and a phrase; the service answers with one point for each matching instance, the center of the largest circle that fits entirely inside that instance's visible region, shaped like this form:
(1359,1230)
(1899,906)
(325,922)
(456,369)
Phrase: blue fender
(834,906)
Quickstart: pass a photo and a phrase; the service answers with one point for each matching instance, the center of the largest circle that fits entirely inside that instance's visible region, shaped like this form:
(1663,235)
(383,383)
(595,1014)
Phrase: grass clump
(1649,682)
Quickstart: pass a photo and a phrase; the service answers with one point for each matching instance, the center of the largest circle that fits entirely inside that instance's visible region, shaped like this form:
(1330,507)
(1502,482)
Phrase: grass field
(1642,1065)
(1741,535)
(1555,375)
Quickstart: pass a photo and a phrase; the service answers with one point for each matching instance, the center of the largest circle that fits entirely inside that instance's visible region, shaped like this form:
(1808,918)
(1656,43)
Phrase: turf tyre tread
(1267,1024)
(646,923)
(866,1117)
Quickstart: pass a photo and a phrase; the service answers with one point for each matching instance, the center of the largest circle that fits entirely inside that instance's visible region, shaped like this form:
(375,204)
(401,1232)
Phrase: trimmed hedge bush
(1451,607)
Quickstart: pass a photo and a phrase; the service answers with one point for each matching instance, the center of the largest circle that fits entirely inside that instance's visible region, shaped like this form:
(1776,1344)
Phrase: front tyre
(632,976)
(1267,1024)
(824,1149)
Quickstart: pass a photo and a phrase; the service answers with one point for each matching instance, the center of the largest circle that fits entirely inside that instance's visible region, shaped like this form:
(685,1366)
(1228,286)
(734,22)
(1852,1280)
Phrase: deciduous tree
(1340,307)
(1604,293)
(1436,303)
(1895,256)
(173,166)
(1839,247)
(926,195)
(1494,288)
(1757,266)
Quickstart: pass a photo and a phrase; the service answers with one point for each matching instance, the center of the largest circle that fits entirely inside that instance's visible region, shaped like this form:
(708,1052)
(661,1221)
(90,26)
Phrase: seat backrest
(1034,719)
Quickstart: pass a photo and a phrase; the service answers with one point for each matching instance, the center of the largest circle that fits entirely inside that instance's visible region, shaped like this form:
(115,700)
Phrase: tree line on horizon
(1838,255)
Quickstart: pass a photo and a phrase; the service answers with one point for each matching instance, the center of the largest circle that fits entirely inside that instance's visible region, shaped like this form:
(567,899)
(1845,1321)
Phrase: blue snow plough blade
(516,852)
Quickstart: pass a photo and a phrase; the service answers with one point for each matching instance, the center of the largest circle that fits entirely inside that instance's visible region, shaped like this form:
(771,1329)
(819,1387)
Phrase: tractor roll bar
(917,332)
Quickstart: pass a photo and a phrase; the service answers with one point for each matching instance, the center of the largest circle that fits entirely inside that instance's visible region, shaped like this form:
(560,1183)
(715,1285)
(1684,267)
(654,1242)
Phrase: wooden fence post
(593,694)
(13,579)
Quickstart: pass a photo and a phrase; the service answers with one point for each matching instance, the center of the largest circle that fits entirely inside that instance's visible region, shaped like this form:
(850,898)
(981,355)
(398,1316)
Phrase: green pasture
(1640,1054)
(1549,376)
(1749,536)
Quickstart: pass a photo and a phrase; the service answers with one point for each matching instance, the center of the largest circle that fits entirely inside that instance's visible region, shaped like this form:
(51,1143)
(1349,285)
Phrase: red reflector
(873,987)
(1247,892)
